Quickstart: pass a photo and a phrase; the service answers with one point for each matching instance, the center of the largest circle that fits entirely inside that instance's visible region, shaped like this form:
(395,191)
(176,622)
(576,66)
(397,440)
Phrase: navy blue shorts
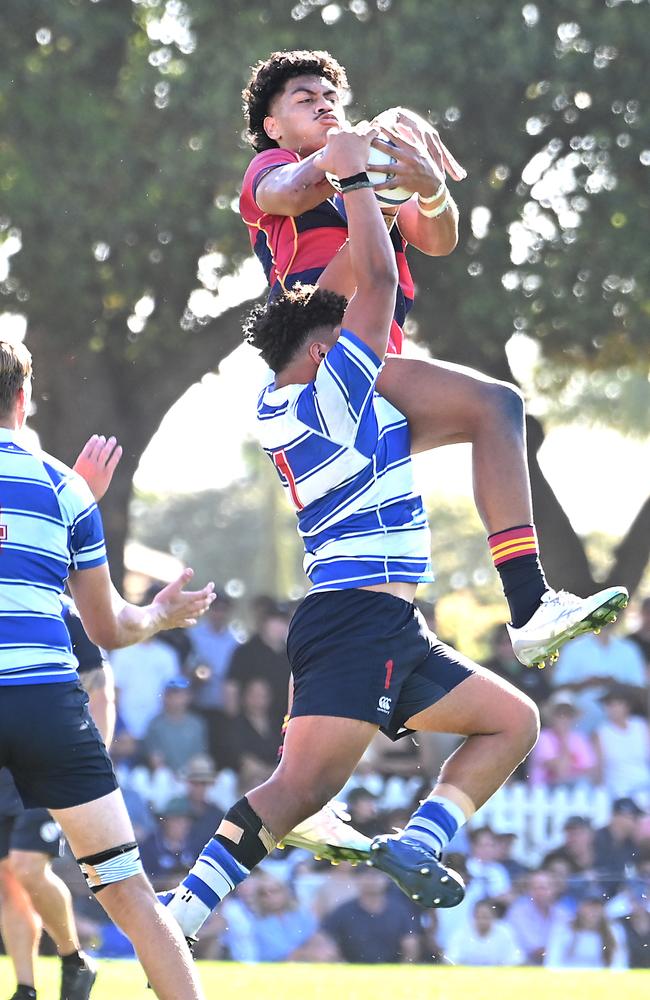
(362,654)
(31,830)
(51,745)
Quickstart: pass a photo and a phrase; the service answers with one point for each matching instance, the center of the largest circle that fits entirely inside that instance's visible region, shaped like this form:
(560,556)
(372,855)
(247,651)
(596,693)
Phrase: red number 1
(389,674)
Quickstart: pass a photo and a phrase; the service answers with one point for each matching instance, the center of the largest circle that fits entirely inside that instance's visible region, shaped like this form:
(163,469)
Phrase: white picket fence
(537,815)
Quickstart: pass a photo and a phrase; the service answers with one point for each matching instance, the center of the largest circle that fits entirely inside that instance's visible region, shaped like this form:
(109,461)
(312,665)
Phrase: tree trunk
(80,395)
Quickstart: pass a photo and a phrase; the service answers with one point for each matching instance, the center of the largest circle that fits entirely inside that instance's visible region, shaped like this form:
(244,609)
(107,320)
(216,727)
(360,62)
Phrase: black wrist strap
(355,182)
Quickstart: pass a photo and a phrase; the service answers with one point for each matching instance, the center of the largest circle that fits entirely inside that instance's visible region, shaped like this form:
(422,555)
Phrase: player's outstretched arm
(370,311)
(293,188)
(111,622)
(96,463)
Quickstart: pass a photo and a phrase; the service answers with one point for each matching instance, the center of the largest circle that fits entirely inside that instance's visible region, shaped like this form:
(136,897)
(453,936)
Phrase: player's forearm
(435,237)
(127,624)
(371,252)
(293,188)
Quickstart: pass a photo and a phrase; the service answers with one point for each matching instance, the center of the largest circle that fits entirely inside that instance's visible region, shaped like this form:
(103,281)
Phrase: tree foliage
(121,151)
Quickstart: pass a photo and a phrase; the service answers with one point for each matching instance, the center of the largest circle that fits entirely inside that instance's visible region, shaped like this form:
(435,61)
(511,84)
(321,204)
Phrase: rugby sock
(240,843)
(434,823)
(516,558)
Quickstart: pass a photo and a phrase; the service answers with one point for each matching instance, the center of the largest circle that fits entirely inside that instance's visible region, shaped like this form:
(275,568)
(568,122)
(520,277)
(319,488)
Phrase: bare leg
(100,687)
(50,897)
(98,826)
(320,753)
(19,924)
(449,404)
(501,725)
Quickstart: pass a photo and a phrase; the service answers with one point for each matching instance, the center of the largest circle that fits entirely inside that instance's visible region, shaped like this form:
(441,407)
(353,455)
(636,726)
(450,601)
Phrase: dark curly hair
(281,327)
(269,77)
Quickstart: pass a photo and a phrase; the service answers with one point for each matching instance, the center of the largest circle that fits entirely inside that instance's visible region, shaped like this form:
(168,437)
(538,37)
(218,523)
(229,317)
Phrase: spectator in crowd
(264,655)
(322,887)
(579,852)
(590,664)
(506,841)
(249,743)
(563,755)
(431,950)
(534,914)
(485,940)
(636,923)
(504,663)
(141,674)
(375,927)
(176,734)
(167,854)
(622,745)
(213,643)
(281,929)
(642,635)
(364,813)
(490,879)
(589,940)
(199,777)
(616,845)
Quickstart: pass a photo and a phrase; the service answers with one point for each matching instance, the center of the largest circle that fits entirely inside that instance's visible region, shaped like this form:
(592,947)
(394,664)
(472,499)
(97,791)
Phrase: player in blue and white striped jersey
(50,532)
(361,655)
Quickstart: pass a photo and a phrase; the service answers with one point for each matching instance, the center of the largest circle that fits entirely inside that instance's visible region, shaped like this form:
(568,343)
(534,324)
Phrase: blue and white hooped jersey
(343,456)
(49,524)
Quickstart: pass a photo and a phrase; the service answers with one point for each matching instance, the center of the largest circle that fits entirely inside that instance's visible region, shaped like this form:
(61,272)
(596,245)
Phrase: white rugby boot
(562,616)
(329,836)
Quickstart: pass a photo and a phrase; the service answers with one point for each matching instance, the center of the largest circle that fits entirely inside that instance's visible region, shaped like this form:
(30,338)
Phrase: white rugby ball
(377,157)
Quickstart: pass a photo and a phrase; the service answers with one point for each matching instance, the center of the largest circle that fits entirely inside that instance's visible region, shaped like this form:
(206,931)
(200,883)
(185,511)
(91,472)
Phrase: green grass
(226,981)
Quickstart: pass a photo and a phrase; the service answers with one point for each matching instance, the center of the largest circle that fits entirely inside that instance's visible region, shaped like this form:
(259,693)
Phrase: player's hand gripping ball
(377,157)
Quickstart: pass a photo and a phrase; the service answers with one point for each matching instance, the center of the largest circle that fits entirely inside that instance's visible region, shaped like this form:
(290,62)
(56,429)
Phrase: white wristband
(433,213)
(434,197)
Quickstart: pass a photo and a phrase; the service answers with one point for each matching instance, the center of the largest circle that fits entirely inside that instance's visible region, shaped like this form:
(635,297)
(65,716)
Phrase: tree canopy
(121,152)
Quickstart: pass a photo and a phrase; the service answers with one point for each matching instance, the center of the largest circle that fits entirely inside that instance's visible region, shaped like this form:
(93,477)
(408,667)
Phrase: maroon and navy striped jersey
(299,249)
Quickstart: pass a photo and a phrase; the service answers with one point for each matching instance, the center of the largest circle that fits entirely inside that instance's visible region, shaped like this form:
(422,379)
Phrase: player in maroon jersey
(298,230)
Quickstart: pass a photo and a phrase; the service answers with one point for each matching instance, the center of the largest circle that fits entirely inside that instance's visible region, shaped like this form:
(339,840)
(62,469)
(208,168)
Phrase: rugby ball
(377,157)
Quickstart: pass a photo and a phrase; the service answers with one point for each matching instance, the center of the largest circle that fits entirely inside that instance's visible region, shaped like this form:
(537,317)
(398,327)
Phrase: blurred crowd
(199,718)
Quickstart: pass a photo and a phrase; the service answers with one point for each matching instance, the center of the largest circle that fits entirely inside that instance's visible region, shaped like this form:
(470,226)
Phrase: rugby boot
(24,993)
(417,871)
(562,616)
(330,836)
(78,980)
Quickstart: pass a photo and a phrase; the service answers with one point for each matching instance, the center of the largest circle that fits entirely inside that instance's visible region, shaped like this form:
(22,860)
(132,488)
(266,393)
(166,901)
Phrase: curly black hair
(269,77)
(280,328)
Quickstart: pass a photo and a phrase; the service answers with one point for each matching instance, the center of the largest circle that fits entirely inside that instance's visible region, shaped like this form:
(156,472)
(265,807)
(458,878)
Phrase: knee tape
(110,866)
(243,834)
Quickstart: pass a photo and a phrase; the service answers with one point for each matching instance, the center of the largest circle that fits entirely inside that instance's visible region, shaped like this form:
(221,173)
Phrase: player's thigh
(96,826)
(483,704)
(443,403)
(323,750)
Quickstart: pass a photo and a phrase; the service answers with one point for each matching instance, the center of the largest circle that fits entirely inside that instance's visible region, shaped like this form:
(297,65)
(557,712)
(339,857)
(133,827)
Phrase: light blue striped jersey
(342,452)
(49,524)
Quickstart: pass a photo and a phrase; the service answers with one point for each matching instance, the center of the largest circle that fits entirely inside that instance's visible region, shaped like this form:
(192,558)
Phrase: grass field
(222,981)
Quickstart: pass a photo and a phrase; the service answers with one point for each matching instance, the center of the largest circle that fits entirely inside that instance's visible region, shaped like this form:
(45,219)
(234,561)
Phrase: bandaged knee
(114,865)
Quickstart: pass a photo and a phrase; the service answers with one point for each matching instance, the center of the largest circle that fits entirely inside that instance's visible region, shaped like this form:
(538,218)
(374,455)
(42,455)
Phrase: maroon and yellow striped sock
(516,557)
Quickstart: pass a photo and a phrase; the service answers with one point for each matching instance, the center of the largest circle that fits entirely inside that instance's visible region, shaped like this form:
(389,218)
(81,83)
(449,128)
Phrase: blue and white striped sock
(214,875)
(434,823)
